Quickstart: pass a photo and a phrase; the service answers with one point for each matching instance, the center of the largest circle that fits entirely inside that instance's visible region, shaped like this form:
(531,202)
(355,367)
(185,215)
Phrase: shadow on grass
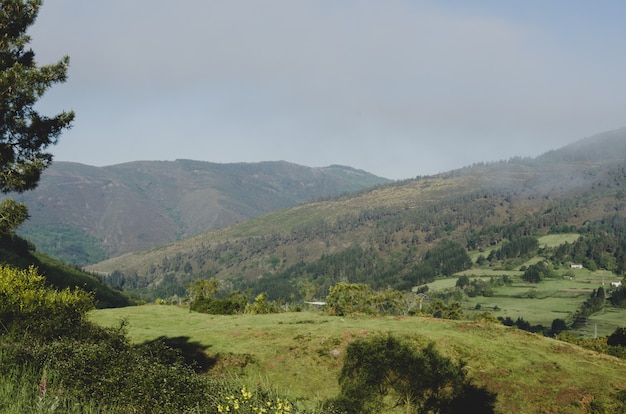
(192,352)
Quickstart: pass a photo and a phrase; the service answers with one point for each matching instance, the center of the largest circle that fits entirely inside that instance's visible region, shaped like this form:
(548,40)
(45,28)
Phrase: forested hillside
(391,236)
(84,214)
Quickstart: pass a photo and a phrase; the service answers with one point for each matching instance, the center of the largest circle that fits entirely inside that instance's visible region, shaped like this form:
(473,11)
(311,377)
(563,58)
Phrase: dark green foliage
(44,329)
(25,135)
(203,297)
(70,244)
(593,304)
(232,304)
(558,326)
(517,247)
(439,309)
(536,272)
(382,372)
(475,287)
(448,257)
(370,267)
(12,214)
(617,338)
(618,296)
(354,298)
(522,324)
(418,275)
(462,282)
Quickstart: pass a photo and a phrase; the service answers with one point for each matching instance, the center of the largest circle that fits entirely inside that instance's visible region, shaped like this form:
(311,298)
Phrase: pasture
(300,354)
(555,298)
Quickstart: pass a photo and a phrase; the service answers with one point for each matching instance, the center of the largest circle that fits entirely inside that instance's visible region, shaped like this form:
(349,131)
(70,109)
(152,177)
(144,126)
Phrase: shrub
(381,372)
(28,304)
(618,337)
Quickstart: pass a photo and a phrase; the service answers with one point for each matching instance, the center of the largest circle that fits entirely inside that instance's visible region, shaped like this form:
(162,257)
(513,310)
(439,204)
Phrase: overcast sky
(397,88)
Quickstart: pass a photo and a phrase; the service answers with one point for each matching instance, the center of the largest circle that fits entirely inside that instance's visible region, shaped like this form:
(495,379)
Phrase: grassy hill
(84,214)
(390,229)
(300,354)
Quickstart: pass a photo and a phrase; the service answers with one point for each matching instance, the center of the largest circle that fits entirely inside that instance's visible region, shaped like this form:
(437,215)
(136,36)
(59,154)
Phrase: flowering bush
(26,302)
(246,402)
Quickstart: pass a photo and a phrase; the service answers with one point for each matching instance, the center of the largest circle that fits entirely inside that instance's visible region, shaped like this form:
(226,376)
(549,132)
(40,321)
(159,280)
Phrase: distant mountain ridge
(387,230)
(84,214)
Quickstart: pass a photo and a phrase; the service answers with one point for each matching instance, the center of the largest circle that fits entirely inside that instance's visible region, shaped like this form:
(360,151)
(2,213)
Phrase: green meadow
(300,354)
(538,303)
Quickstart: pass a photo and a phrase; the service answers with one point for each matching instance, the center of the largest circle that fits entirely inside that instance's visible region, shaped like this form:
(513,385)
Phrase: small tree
(260,306)
(558,326)
(462,282)
(382,372)
(349,298)
(25,135)
(617,338)
(200,292)
(439,309)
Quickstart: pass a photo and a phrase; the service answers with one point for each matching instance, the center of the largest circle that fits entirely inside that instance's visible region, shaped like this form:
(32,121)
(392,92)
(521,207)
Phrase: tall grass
(24,389)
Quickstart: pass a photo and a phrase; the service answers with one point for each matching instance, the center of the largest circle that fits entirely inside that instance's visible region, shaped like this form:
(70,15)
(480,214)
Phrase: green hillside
(301,354)
(84,214)
(381,236)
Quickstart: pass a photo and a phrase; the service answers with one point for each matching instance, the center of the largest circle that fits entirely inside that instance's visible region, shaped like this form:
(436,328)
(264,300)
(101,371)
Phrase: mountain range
(83,214)
(380,236)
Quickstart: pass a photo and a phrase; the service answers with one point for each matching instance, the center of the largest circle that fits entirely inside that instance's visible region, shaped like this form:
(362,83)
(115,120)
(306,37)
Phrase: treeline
(365,266)
(517,247)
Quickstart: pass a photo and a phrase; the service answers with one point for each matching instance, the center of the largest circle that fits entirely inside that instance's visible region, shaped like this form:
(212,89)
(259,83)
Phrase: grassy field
(300,354)
(553,240)
(543,302)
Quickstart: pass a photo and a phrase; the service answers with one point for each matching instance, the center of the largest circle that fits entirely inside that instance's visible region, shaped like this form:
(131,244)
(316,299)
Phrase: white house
(575,266)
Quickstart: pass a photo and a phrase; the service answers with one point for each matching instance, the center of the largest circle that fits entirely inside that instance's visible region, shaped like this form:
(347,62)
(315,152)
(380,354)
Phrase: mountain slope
(387,231)
(84,214)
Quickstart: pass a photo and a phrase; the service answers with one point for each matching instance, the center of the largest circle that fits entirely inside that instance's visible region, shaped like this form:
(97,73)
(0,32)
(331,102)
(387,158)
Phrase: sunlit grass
(300,354)
(553,240)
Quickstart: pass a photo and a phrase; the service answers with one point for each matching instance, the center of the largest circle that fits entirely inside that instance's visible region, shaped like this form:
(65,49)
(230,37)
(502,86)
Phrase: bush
(617,338)
(381,372)
(28,304)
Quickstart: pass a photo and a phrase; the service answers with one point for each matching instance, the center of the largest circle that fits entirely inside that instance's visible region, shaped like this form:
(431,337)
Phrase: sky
(398,88)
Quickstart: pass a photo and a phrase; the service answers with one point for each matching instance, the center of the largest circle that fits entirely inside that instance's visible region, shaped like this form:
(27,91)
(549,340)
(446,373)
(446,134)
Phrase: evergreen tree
(25,135)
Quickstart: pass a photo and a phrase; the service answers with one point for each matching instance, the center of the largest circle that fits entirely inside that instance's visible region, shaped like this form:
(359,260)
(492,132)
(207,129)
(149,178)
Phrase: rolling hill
(380,236)
(83,214)
(301,354)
